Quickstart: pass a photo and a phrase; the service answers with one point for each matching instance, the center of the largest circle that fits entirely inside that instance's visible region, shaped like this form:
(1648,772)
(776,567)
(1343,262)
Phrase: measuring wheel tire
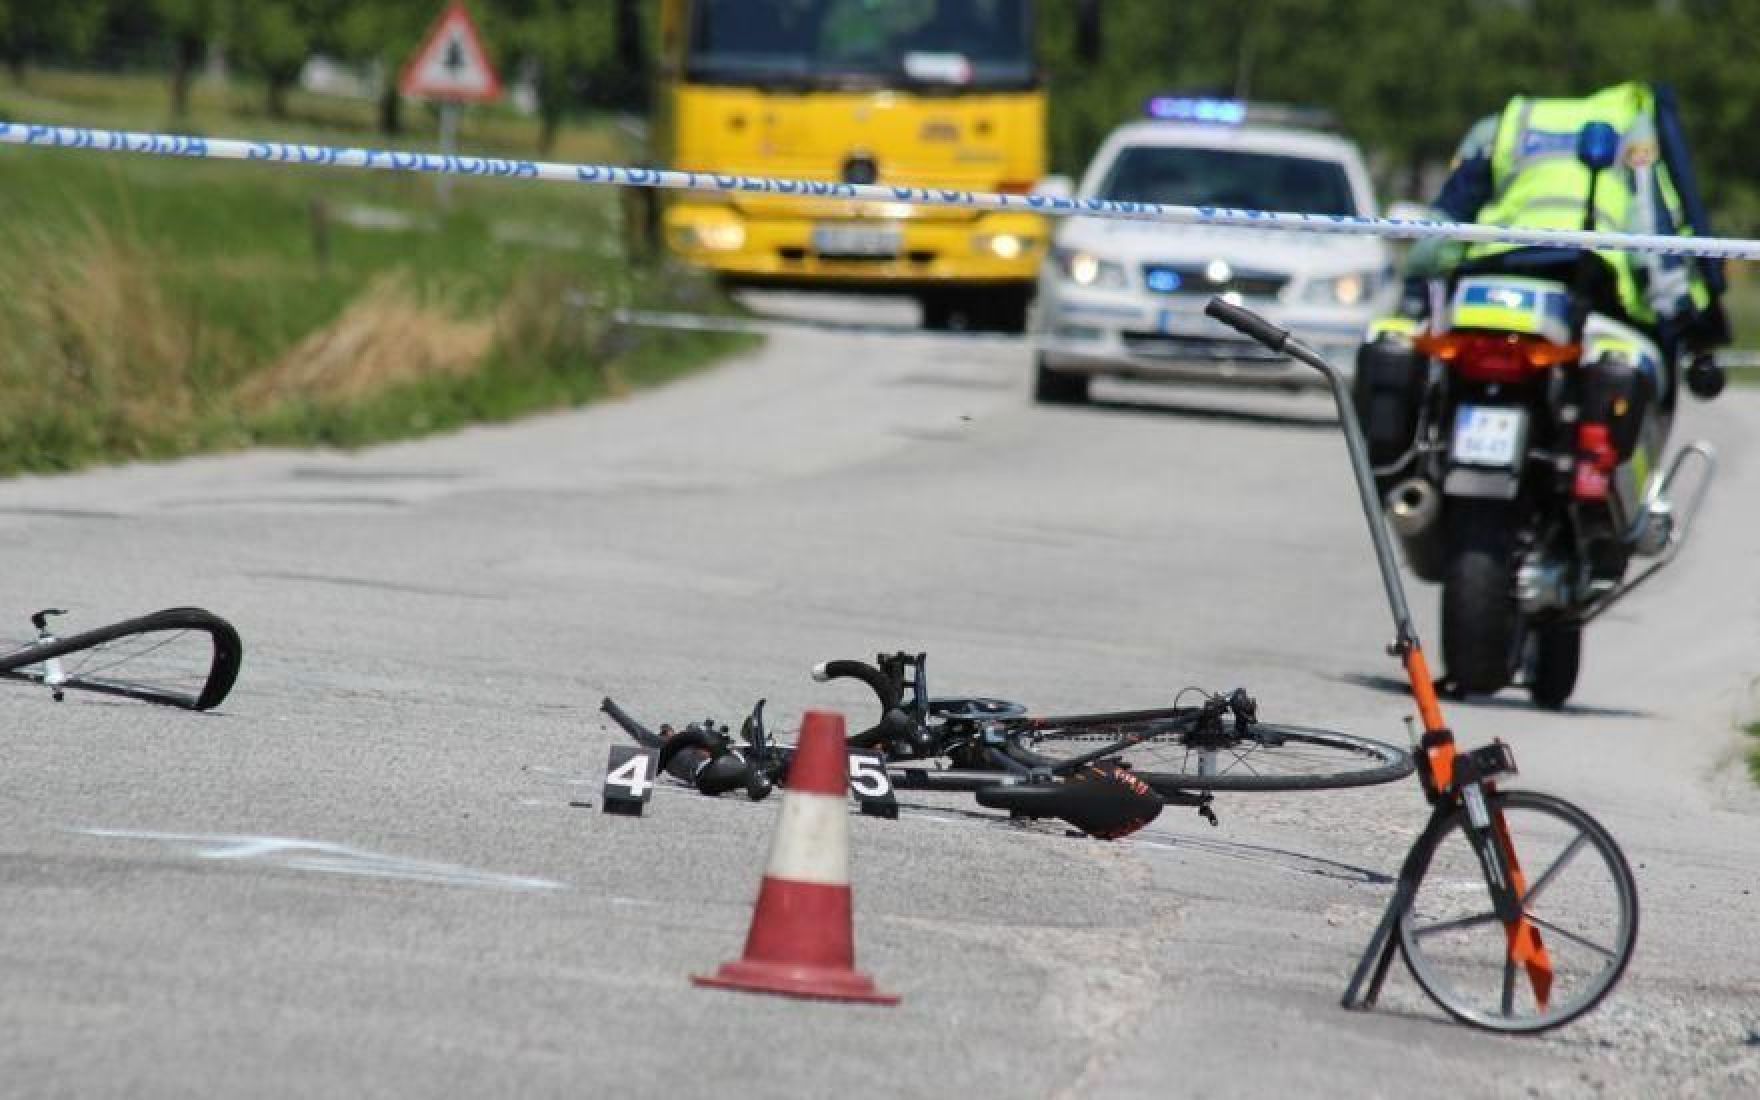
(1581,898)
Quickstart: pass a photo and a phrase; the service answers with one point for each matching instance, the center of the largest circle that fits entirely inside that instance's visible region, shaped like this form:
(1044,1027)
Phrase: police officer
(1519,168)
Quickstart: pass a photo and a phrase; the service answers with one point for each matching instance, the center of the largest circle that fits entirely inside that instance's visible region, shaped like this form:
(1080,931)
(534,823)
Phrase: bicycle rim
(183,657)
(1266,757)
(1580,898)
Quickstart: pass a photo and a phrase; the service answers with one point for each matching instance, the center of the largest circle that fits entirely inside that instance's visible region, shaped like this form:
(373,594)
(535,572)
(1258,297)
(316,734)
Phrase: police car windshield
(1180,176)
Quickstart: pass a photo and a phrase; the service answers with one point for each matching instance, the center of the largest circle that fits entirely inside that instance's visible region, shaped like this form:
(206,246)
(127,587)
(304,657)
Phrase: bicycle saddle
(1101,800)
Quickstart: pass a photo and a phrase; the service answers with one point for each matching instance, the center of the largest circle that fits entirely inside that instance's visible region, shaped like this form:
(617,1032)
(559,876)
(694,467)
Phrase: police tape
(614,175)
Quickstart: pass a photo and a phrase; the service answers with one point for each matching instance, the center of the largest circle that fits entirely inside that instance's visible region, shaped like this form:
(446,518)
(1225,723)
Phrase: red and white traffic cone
(802,939)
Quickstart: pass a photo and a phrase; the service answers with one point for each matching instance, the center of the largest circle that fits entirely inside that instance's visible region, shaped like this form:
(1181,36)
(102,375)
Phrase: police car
(1126,299)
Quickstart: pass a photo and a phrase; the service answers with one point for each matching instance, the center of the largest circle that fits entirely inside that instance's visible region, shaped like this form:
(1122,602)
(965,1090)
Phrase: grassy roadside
(150,308)
(1753,730)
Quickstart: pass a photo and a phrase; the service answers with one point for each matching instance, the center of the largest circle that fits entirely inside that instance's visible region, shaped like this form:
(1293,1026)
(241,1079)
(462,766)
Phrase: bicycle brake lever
(752,731)
(1245,708)
(41,619)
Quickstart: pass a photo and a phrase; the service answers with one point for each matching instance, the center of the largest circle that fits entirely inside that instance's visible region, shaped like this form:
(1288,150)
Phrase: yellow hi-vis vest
(1538,183)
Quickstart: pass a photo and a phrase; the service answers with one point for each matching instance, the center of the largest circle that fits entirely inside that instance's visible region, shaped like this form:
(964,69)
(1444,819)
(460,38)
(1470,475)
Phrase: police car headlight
(1343,290)
(1087,269)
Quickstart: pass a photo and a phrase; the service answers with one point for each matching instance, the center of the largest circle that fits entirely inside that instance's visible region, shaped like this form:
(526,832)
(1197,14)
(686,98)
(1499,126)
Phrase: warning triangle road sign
(452,63)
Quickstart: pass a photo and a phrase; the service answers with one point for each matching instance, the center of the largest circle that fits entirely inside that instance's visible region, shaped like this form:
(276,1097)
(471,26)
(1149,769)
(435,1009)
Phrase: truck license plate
(857,240)
(1488,435)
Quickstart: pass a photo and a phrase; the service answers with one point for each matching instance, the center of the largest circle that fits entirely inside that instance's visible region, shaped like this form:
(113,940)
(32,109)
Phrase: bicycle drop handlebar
(881,684)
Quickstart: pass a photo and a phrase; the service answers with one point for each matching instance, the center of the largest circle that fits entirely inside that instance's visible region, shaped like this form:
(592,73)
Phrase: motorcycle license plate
(865,241)
(1488,435)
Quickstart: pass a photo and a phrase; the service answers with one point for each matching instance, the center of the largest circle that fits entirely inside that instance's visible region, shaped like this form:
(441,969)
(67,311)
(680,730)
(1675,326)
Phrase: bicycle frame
(1450,778)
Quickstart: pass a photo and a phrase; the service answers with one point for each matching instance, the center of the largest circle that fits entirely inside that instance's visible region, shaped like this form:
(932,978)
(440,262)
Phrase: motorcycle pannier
(1388,392)
(1618,394)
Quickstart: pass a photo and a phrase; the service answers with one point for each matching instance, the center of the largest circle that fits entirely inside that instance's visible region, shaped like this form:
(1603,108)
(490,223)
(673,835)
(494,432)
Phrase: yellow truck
(942,93)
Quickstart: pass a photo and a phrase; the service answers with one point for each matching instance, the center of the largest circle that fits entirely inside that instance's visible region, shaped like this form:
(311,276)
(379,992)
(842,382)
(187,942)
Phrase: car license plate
(857,240)
(1488,435)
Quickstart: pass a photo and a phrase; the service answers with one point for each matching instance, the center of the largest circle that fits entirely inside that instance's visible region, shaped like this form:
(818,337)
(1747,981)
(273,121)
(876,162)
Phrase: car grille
(1158,345)
(1184,279)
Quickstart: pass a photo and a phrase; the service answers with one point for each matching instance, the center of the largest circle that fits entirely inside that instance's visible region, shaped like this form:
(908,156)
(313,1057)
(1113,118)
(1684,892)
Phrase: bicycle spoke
(1558,865)
(1452,925)
(1572,936)
(121,656)
(1509,985)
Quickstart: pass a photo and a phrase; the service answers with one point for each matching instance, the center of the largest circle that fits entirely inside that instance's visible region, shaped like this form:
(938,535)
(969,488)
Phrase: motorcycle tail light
(1590,484)
(1495,356)
(1596,459)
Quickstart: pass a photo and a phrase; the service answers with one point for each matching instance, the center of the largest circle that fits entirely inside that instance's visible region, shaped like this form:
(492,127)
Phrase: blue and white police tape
(390,160)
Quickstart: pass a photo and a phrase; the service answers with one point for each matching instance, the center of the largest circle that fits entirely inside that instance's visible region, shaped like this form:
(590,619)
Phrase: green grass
(151,308)
(1753,730)
(1743,303)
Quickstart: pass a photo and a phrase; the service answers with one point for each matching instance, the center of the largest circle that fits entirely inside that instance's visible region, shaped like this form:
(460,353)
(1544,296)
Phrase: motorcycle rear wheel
(1480,621)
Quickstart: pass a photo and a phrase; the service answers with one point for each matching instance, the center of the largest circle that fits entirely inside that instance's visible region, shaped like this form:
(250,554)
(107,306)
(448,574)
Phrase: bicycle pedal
(1209,815)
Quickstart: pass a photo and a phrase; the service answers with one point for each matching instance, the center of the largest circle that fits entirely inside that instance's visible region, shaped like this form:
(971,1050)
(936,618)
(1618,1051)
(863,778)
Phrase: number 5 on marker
(629,780)
(870,783)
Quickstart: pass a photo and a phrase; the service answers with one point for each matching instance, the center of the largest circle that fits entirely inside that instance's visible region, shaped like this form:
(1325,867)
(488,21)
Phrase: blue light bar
(1168,108)
(1164,281)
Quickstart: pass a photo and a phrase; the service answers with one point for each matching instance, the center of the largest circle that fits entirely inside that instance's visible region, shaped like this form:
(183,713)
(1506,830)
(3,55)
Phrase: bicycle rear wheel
(181,657)
(1580,897)
(1172,757)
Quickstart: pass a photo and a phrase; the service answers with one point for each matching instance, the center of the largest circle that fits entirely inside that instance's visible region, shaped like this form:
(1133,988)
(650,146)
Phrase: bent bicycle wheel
(1580,898)
(181,657)
(1263,757)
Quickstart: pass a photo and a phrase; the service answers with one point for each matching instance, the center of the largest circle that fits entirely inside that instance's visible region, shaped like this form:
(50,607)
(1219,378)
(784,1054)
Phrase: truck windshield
(1177,176)
(947,45)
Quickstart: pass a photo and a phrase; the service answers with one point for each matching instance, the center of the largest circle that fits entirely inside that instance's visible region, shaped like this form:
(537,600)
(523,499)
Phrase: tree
(188,25)
(35,29)
(570,46)
(273,38)
(386,33)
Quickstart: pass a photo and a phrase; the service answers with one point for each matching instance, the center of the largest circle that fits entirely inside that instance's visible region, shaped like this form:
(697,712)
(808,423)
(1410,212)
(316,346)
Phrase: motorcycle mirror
(1597,146)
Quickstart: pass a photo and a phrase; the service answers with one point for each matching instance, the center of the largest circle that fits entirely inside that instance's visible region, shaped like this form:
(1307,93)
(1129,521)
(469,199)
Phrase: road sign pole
(451,69)
(449,112)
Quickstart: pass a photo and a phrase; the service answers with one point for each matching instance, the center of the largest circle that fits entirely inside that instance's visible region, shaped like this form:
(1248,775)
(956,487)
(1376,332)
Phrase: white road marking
(325,858)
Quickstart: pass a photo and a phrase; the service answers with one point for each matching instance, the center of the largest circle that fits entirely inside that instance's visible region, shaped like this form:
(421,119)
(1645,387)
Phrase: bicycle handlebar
(878,682)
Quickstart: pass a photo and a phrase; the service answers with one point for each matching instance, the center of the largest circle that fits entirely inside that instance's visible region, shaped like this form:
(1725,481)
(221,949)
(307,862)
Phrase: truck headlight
(712,237)
(1004,246)
(1087,269)
(1351,289)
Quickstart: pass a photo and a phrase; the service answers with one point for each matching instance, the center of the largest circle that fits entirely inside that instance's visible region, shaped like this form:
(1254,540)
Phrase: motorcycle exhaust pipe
(1412,507)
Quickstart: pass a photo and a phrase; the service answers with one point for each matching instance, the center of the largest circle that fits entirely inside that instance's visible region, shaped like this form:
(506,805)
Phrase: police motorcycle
(1516,439)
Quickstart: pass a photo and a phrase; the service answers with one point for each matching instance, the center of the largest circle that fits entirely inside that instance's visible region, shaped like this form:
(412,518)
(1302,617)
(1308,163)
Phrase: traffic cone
(802,939)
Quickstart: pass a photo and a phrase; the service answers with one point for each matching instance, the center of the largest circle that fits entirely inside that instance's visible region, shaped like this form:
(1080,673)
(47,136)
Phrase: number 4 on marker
(629,780)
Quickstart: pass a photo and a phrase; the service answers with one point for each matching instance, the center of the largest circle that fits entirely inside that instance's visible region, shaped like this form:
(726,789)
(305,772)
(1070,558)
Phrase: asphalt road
(366,876)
